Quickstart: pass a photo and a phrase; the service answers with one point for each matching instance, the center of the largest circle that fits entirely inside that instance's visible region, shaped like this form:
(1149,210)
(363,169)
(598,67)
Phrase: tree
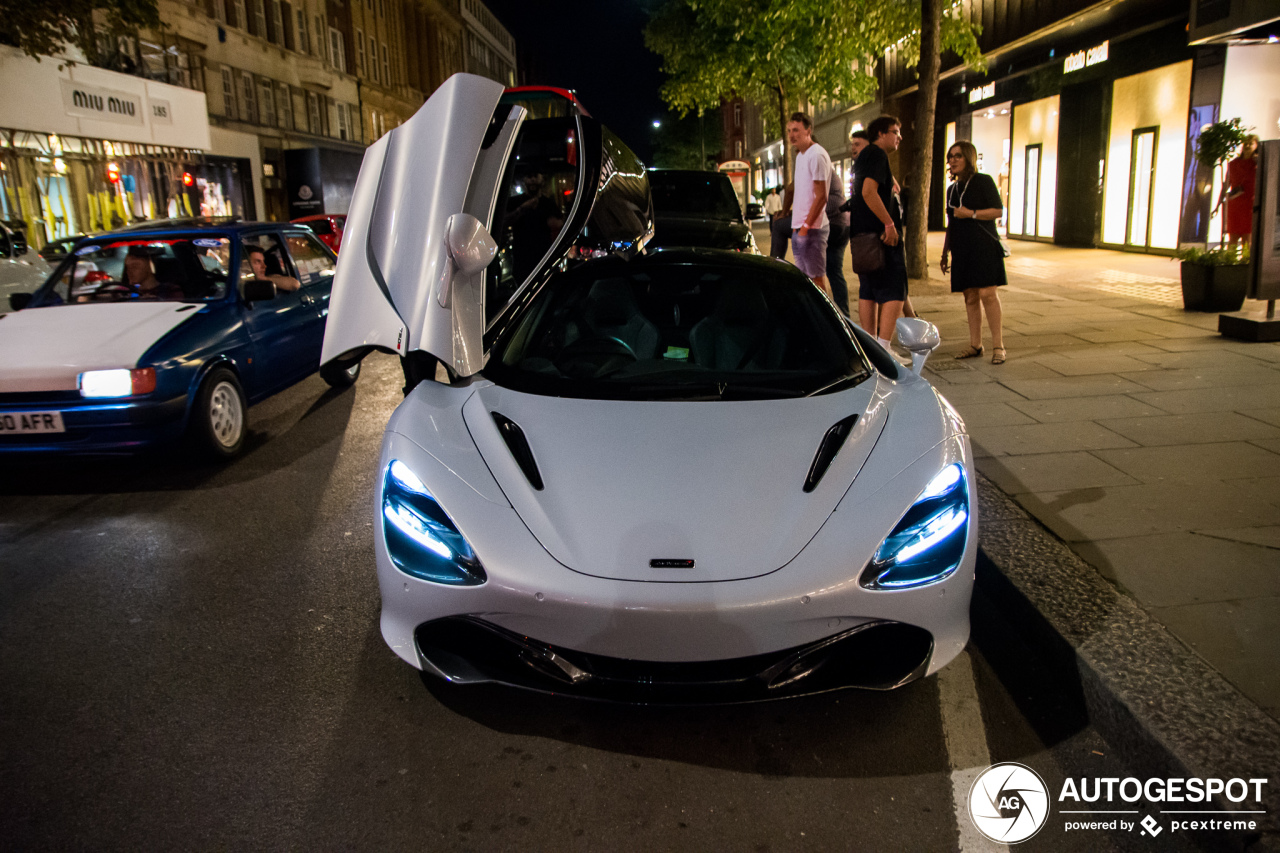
(44,27)
(787,52)
(689,141)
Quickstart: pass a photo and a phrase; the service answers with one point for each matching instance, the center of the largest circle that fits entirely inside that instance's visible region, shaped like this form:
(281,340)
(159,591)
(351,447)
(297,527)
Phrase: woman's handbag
(866,253)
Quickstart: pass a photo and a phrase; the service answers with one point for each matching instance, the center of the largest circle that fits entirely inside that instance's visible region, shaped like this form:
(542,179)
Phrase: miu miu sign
(102,104)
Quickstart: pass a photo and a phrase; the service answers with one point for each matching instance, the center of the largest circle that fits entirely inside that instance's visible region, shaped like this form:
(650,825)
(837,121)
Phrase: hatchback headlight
(121,382)
(928,544)
(421,538)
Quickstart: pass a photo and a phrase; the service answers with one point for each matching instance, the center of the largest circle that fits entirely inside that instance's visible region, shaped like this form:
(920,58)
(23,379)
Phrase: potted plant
(1219,141)
(1214,279)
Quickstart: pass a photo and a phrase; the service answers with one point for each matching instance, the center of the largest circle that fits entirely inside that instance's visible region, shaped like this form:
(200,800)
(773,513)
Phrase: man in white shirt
(773,203)
(809,224)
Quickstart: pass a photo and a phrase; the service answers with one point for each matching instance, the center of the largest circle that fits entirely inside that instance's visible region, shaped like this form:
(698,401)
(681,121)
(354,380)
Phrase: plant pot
(1210,288)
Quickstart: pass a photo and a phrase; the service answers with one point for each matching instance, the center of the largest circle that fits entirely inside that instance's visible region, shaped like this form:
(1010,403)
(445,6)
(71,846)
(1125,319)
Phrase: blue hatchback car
(145,336)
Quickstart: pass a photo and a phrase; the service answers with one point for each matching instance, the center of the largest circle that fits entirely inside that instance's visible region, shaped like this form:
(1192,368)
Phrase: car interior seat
(740,333)
(612,312)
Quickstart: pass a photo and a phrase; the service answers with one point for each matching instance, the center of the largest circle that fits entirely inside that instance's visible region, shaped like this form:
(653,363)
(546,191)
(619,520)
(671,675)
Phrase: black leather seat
(612,312)
(739,334)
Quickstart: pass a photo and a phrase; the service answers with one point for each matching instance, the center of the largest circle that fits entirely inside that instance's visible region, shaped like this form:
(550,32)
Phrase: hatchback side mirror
(920,337)
(259,290)
(754,211)
(18,301)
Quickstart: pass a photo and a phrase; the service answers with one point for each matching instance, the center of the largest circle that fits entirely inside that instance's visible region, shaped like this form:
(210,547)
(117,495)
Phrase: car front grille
(874,656)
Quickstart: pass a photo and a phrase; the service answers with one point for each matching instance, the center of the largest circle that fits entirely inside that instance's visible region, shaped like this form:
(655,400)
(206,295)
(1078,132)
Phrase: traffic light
(187,180)
(113,173)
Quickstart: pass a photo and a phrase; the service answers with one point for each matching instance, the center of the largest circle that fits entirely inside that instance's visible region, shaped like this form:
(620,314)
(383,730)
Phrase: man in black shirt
(874,210)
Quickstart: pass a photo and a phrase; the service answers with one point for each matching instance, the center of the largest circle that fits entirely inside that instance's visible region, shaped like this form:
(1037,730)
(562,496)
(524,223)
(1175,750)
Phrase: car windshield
(122,269)
(673,330)
(706,195)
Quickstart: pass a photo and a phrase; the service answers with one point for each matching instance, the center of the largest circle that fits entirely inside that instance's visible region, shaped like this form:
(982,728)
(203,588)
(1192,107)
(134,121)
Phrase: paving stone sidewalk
(1136,433)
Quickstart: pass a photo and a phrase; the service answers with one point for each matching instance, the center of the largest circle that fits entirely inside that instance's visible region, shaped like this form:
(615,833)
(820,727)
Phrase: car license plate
(21,423)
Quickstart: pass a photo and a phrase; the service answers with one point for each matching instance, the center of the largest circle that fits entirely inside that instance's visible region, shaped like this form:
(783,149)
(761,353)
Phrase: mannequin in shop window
(1237,193)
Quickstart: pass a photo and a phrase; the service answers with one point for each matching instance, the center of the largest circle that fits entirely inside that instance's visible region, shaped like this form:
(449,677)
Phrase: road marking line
(966,745)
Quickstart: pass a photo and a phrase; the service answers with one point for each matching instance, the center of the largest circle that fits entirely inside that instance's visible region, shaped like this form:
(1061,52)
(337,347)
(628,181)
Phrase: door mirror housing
(920,337)
(18,301)
(754,211)
(259,290)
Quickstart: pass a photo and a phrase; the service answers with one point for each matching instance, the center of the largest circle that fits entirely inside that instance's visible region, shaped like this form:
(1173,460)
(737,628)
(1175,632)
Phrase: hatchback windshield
(123,269)
(706,195)
(655,329)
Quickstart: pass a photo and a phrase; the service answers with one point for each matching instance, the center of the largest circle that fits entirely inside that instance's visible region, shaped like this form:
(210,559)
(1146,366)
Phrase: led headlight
(121,382)
(421,538)
(928,543)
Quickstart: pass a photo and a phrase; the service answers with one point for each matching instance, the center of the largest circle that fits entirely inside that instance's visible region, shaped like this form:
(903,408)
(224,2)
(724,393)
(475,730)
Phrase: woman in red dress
(1237,192)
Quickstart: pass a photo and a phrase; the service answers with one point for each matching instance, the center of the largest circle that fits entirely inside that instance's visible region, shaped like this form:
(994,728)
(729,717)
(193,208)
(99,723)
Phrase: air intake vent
(827,450)
(519,447)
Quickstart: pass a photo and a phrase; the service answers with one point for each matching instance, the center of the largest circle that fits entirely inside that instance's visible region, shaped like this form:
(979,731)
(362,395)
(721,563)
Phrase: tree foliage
(44,27)
(781,53)
(689,141)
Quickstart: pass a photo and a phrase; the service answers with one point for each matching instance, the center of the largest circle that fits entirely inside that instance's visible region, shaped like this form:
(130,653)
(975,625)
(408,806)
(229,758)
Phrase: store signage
(734,166)
(101,104)
(981,93)
(1085,58)
(161,111)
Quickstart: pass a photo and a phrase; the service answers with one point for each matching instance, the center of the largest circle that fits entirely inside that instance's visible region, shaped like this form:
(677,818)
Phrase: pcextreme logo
(1009,802)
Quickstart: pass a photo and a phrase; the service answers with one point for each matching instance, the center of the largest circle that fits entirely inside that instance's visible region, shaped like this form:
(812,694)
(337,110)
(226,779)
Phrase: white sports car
(651,477)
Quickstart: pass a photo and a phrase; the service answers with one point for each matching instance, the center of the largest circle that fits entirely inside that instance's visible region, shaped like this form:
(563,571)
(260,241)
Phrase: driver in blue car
(258,265)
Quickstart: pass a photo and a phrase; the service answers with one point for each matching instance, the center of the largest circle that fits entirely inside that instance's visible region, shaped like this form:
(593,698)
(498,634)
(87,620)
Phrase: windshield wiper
(839,385)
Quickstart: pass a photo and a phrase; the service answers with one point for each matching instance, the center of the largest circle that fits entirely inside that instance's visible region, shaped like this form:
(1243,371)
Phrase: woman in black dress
(973,206)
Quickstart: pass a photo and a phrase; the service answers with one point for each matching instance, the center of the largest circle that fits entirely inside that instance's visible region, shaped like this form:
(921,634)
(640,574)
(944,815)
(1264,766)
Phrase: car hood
(691,231)
(45,349)
(719,483)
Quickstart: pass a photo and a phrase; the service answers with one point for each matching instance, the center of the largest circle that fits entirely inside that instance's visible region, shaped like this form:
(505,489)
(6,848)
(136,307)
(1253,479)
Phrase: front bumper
(99,426)
(585,619)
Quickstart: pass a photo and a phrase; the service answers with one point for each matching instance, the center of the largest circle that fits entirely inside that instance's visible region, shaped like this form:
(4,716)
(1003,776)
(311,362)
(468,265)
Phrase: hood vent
(827,450)
(519,447)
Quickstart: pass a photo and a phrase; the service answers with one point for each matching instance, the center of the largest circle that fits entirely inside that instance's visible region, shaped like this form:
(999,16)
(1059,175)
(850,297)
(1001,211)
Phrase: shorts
(888,284)
(809,251)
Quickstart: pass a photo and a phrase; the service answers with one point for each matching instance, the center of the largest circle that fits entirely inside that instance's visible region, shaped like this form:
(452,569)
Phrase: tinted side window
(313,263)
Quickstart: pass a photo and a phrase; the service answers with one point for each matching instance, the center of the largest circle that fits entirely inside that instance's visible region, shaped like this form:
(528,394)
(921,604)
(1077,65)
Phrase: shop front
(89,150)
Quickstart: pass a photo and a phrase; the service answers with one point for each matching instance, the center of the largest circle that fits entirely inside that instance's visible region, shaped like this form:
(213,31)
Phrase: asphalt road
(190,659)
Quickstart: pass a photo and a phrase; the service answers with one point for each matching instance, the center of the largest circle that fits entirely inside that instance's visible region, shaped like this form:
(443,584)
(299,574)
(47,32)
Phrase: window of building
(248,103)
(373,59)
(382,9)
(304,43)
(267,102)
(737,149)
(337,50)
(368,4)
(219,10)
(386,66)
(284,106)
(242,17)
(277,22)
(360,52)
(259,18)
(229,94)
(737,115)
(344,123)
(317,44)
(313,113)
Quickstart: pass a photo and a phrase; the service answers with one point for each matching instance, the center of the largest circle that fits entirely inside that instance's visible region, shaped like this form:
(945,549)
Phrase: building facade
(1087,116)
(291,92)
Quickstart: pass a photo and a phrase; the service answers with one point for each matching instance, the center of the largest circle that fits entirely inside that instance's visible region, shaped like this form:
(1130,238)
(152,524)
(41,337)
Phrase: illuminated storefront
(1031,204)
(87,150)
(1146,158)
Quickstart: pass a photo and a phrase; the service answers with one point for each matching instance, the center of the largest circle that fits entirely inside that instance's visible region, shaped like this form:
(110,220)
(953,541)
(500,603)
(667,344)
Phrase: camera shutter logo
(1009,802)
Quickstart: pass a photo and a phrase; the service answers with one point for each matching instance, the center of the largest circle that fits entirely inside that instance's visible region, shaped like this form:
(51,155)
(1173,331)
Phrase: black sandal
(969,352)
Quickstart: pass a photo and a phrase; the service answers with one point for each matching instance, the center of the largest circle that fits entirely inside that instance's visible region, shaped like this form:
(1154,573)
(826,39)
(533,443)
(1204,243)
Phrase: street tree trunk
(917,224)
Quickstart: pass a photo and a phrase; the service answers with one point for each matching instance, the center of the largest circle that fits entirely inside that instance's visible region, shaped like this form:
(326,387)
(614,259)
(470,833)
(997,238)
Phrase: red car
(328,227)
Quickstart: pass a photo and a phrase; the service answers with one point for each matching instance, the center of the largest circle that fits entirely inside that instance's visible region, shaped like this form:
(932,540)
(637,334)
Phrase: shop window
(1146,153)
(229,94)
(1033,169)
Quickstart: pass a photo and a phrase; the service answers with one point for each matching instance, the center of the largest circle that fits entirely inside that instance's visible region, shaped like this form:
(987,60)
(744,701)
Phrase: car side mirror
(18,301)
(920,337)
(754,211)
(259,290)
(471,245)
